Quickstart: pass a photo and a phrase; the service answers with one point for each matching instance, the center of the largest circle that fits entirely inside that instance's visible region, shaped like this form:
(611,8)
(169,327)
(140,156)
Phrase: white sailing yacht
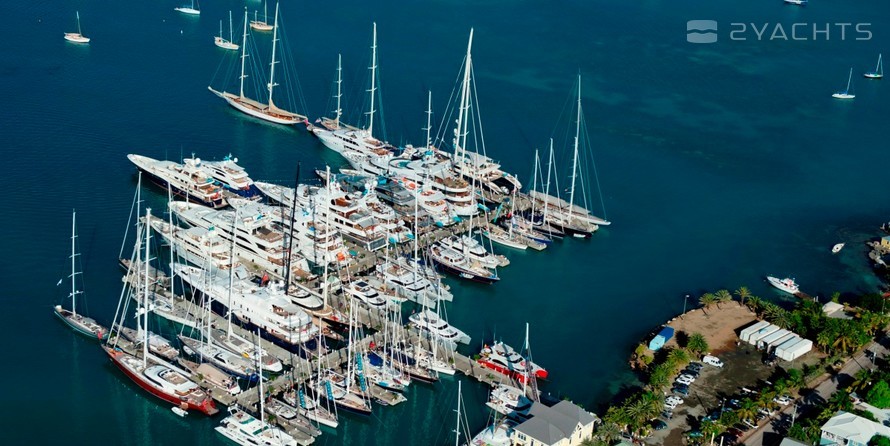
(846,93)
(261,25)
(477,167)
(341,137)
(221,41)
(80,323)
(267,112)
(244,429)
(189,10)
(77,37)
(879,70)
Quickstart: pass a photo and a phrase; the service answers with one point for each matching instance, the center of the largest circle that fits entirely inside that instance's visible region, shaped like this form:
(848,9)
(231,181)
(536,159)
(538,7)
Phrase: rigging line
(449,106)
(129,220)
(593,164)
(478,113)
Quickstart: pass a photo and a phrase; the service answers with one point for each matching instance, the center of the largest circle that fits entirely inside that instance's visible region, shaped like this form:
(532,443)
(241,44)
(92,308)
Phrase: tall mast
(231,274)
(547,185)
(273,62)
(429,116)
(172,233)
(534,182)
(460,132)
(73,269)
(577,137)
(373,89)
(457,425)
(243,52)
(220,29)
(339,111)
(260,374)
(849,79)
(327,233)
(147,229)
(78,22)
(231,31)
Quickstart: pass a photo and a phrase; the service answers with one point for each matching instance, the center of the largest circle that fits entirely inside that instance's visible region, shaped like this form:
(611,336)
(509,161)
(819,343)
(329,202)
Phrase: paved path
(767,435)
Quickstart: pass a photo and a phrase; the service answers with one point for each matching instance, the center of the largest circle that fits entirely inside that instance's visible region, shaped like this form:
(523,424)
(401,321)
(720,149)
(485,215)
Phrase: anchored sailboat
(78,322)
(261,25)
(77,37)
(268,112)
(221,41)
(190,10)
(879,70)
(846,93)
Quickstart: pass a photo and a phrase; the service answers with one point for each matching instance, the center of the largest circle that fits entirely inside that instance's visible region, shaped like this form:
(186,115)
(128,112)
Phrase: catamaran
(190,10)
(845,94)
(80,323)
(187,180)
(222,42)
(77,37)
(268,112)
(261,25)
(879,70)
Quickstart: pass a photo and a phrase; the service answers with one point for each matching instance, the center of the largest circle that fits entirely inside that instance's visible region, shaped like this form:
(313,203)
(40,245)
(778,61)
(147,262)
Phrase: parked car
(659,425)
(674,399)
(783,400)
(697,366)
(734,403)
(692,372)
(713,361)
(667,414)
(680,389)
(685,379)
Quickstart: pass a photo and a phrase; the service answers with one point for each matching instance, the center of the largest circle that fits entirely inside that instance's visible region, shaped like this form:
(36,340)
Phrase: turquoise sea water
(719,164)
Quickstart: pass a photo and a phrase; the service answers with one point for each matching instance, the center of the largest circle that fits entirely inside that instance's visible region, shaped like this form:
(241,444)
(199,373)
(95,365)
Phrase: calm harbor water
(719,164)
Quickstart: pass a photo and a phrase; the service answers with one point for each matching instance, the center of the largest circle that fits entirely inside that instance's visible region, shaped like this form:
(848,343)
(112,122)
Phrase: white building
(847,429)
(564,424)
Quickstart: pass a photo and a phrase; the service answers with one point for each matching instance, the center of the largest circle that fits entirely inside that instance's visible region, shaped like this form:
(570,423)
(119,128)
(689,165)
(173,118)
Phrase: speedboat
(787,284)
(796,2)
(837,248)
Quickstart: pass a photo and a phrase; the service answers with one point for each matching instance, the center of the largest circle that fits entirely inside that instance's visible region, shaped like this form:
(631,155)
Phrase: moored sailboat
(78,322)
(261,25)
(252,107)
(77,37)
(845,94)
(222,42)
(878,73)
(189,10)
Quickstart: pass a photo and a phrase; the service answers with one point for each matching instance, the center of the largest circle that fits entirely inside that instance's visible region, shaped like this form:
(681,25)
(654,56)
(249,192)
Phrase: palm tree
(771,310)
(824,339)
(781,319)
(697,343)
(653,402)
(608,432)
(722,296)
(747,409)
(707,300)
(678,358)
(755,304)
(742,293)
(861,380)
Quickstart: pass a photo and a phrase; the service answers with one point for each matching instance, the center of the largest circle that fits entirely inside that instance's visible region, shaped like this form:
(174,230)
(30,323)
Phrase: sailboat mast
(145,296)
(260,374)
(231,275)
(339,111)
(457,425)
(73,270)
(429,117)
(575,156)
(78,22)
(849,79)
(231,31)
(273,62)
(535,181)
(547,185)
(243,53)
(460,132)
(327,233)
(373,89)
(172,233)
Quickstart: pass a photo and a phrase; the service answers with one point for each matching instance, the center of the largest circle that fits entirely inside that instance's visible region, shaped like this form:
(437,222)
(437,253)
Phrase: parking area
(712,389)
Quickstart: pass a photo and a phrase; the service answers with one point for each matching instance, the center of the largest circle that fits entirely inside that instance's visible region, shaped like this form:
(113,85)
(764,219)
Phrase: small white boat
(261,25)
(846,93)
(787,284)
(77,37)
(837,248)
(797,2)
(222,42)
(179,411)
(879,70)
(190,10)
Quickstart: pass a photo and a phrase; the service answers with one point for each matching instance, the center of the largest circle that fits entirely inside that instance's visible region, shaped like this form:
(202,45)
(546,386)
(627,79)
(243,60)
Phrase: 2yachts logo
(705,31)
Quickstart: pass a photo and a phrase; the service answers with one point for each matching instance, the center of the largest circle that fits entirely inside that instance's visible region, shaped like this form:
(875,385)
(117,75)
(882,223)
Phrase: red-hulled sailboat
(503,359)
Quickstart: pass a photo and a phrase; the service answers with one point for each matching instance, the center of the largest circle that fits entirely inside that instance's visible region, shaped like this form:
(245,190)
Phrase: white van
(712,360)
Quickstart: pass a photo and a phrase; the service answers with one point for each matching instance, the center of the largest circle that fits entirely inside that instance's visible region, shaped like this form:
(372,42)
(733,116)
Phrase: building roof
(788,441)
(851,427)
(553,424)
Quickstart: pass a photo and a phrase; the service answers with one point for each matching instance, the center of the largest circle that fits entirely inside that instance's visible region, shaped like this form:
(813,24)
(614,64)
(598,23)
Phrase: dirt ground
(720,326)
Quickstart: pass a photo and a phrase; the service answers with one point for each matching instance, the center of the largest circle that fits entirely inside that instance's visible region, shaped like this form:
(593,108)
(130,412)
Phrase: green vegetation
(697,344)
(879,440)
(879,395)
